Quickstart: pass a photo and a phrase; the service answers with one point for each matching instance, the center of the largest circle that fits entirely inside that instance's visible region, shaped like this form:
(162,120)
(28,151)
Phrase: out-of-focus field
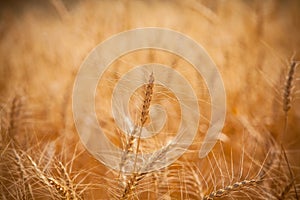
(43,43)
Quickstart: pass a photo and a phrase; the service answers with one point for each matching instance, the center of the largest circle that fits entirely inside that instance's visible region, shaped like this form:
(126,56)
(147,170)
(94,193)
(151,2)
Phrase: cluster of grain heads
(235,169)
(257,169)
(23,176)
(37,52)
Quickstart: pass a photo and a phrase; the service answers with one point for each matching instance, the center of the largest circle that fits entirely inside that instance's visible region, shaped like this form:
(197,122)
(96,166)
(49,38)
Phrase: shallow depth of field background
(43,43)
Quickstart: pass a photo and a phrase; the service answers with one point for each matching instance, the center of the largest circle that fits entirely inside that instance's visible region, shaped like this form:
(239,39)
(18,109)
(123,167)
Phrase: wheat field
(255,46)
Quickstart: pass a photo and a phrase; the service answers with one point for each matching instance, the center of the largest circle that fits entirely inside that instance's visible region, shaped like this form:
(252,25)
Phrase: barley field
(255,46)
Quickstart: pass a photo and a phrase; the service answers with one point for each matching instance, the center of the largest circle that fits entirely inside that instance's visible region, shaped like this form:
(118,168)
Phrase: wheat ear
(145,112)
(49,181)
(133,179)
(134,137)
(69,183)
(230,188)
(14,116)
(288,86)
(131,184)
(23,175)
(287,93)
(287,99)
